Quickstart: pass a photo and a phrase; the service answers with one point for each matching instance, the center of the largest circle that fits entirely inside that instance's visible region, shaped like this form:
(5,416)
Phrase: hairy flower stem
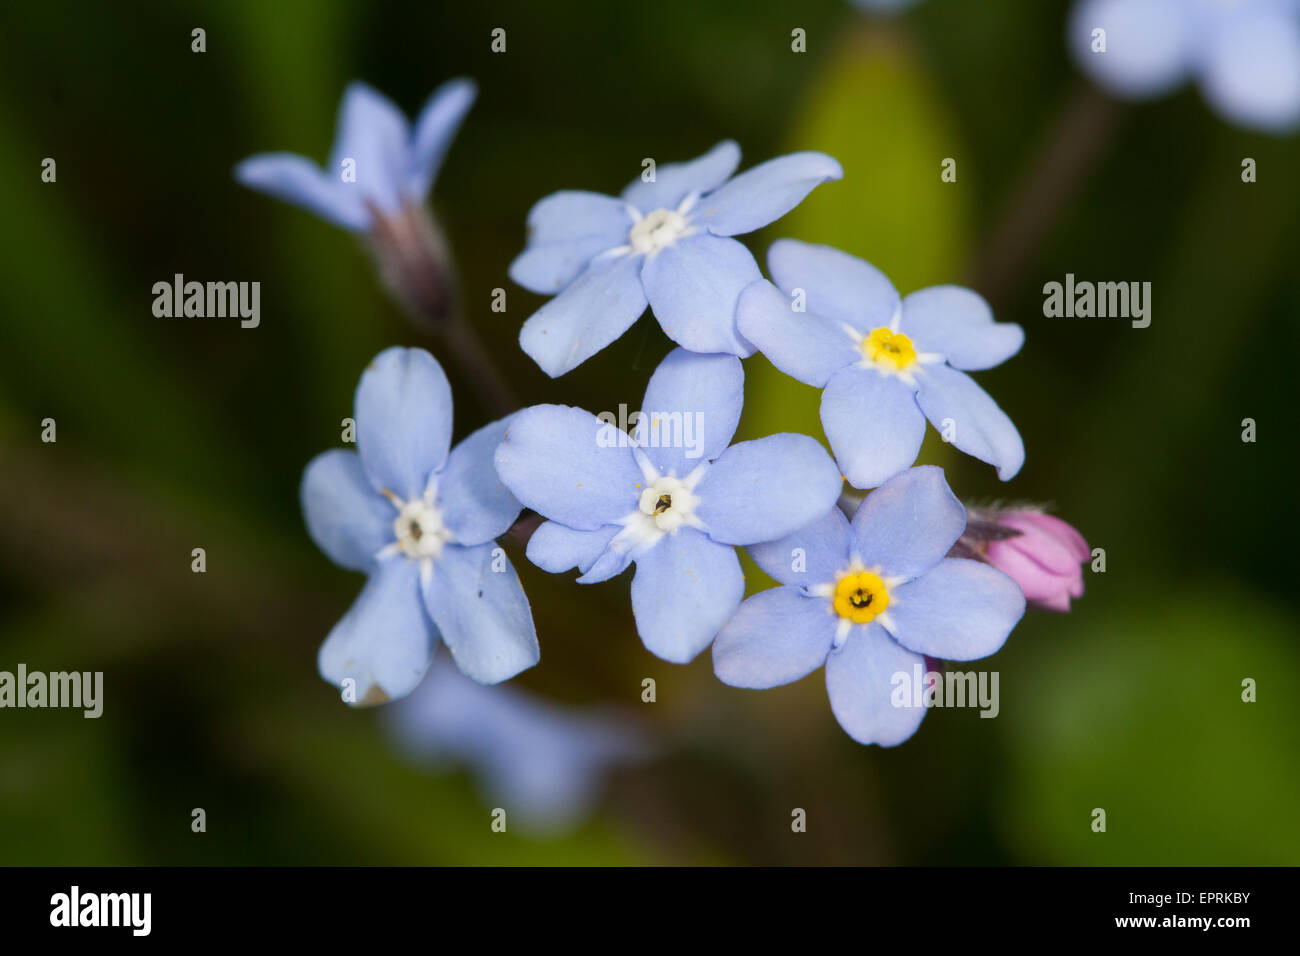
(415,262)
(1076,145)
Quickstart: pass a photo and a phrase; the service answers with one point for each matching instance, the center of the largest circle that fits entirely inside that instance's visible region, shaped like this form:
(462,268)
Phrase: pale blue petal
(1252,71)
(860,680)
(299,181)
(600,305)
(612,562)
(873,424)
(816,554)
(566,230)
(385,641)
(906,526)
(1150,44)
(686,587)
(804,345)
(476,506)
(775,638)
(556,548)
(344,515)
(374,134)
(403,412)
(690,410)
(435,128)
(482,613)
(958,324)
(841,287)
(764,193)
(551,460)
(977,425)
(765,489)
(674,181)
(960,610)
(693,286)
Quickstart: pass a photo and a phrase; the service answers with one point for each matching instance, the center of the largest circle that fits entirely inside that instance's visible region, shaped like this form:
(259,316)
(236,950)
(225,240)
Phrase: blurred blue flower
(675,507)
(665,242)
(886,364)
(883,6)
(870,600)
(420,523)
(543,763)
(378,164)
(1244,53)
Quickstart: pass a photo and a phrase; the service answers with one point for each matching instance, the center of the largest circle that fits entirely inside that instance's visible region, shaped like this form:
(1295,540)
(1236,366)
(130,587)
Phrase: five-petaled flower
(379,166)
(1245,53)
(677,516)
(870,600)
(886,363)
(666,243)
(419,522)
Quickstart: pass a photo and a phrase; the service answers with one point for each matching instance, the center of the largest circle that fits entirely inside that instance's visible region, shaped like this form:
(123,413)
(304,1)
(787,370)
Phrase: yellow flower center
(860,596)
(892,349)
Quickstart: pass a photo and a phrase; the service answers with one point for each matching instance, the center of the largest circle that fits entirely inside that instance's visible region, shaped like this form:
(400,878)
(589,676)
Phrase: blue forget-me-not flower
(870,600)
(1245,54)
(676,507)
(666,243)
(420,522)
(886,363)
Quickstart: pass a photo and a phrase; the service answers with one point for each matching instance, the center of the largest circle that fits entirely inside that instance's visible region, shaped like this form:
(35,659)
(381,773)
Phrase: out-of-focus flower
(886,363)
(1244,53)
(884,6)
(419,522)
(666,242)
(674,498)
(870,600)
(1045,558)
(542,762)
(376,181)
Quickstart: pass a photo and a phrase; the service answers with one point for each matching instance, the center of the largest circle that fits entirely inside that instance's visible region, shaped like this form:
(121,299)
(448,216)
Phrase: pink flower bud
(1044,559)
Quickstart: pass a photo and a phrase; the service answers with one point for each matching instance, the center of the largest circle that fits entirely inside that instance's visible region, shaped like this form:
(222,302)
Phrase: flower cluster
(906,579)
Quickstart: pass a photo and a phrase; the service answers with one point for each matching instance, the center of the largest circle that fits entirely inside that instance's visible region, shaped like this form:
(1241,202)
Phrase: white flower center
(656,230)
(669,503)
(419,529)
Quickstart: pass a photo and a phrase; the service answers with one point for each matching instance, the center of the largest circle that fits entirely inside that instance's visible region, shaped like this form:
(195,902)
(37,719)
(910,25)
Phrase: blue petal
(476,506)
(873,424)
(764,193)
(766,489)
(612,562)
(435,128)
(1252,71)
(1150,44)
(693,286)
(385,641)
(979,427)
(373,133)
(776,637)
(804,345)
(600,305)
(301,182)
(344,516)
(482,613)
(690,410)
(674,181)
(566,230)
(860,683)
(959,611)
(403,411)
(686,587)
(557,548)
(551,460)
(958,324)
(821,549)
(841,287)
(907,525)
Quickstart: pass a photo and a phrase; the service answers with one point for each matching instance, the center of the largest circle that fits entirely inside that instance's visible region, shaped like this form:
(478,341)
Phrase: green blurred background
(176,434)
